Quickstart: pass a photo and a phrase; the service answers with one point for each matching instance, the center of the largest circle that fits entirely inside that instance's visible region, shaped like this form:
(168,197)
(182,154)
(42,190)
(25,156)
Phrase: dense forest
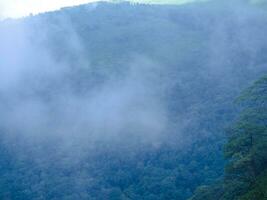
(245,174)
(126,101)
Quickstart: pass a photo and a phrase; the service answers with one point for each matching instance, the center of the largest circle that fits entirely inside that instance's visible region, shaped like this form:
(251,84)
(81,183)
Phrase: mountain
(123,101)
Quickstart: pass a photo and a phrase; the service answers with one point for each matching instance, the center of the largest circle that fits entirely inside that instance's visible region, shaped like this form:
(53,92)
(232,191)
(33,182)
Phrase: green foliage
(205,58)
(258,189)
(245,150)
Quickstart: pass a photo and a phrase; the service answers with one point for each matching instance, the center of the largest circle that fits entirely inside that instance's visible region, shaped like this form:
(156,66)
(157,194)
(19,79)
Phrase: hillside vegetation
(134,102)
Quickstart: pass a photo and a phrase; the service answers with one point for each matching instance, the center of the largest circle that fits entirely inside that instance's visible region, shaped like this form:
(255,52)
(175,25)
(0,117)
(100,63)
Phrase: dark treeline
(245,175)
(131,101)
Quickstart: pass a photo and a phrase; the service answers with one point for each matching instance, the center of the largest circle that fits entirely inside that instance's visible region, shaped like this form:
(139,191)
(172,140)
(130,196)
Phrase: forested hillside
(245,175)
(125,101)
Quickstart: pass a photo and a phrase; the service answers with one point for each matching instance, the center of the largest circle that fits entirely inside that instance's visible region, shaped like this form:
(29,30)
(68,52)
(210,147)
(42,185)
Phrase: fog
(39,99)
(41,96)
(142,90)
(43,92)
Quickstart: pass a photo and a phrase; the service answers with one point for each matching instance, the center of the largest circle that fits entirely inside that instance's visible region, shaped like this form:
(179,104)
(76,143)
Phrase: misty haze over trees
(123,101)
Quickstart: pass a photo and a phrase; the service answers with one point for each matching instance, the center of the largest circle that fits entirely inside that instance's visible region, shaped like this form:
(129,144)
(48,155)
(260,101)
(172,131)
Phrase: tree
(245,176)
(246,149)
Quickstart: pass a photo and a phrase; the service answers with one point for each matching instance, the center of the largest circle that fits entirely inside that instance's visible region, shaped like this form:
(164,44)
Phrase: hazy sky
(19,8)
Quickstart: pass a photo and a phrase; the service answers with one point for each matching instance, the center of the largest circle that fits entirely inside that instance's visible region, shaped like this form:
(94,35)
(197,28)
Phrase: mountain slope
(123,101)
